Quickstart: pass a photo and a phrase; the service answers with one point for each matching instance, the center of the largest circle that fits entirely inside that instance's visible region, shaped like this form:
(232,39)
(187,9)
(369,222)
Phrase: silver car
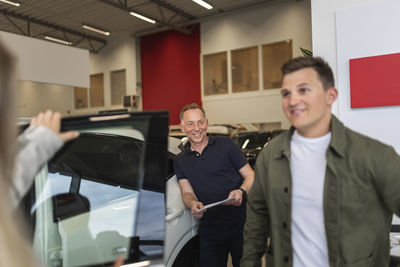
(112,192)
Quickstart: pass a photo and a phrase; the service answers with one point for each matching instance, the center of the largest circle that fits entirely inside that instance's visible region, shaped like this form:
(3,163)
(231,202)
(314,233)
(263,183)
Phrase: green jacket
(361,192)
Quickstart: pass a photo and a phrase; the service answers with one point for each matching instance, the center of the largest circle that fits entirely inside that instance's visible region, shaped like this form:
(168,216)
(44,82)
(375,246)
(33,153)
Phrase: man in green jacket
(323,194)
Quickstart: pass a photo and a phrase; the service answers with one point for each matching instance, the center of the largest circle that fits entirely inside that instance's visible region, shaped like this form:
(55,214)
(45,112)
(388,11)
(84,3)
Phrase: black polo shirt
(213,174)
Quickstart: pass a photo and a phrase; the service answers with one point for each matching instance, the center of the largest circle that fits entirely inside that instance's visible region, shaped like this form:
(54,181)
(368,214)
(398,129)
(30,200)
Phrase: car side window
(87,201)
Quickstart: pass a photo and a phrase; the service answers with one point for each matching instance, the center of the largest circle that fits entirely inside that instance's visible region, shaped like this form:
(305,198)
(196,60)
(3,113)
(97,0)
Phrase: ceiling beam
(64,30)
(174,9)
(128,9)
(221,13)
(15,25)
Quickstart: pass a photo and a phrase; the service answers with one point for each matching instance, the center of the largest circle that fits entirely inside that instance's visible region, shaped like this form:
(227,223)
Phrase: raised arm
(36,146)
(52,121)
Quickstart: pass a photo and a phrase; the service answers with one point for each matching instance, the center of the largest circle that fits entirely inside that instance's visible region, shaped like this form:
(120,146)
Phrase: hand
(118,262)
(238,198)
(196,206)
(52,120)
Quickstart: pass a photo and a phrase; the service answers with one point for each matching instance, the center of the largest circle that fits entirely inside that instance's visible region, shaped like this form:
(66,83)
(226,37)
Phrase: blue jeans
(217,241)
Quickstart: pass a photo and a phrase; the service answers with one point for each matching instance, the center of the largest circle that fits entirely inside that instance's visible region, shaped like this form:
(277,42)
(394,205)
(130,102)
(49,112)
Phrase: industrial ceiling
(63,19)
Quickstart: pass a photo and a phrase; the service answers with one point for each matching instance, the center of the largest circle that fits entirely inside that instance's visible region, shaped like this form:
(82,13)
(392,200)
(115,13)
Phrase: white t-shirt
(308,167)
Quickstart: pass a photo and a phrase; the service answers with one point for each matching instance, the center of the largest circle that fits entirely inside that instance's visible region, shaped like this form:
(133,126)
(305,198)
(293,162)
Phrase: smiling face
(194,125)
(305,102)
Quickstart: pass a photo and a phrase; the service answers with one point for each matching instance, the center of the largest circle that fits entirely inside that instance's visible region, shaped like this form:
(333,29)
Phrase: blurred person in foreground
(19,161)
(14,249)
(323,194)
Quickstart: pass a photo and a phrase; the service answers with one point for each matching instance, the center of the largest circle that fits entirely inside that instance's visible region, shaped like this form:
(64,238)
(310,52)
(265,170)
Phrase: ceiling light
(142,17)
(10,2)
(57,40)
(203,4)
(91,28)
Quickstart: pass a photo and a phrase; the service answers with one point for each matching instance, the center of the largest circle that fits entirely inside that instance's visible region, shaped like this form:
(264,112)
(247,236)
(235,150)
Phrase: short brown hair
(191,106)
(320,66)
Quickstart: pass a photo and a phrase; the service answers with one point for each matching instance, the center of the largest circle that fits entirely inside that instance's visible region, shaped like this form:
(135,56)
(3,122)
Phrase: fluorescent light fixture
(142,17)
(93,29)
(10,2)
(57,40)
(203,4)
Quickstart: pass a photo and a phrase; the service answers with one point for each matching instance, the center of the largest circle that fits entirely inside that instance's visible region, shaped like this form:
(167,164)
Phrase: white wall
(56,69)
(46,62)
(34,97)
(359,36)
(47,73)
(269,24)
(120,53)
(347,29)
(323,14)
(371,31)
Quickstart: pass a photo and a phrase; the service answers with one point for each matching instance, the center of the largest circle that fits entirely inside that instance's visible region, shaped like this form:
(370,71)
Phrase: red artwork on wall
(375,81)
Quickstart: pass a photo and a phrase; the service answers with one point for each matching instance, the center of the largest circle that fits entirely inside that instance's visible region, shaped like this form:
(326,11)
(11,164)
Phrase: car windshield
(91,203)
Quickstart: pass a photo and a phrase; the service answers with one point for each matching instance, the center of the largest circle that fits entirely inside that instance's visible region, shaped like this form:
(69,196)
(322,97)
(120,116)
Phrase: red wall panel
(171,71)
(374,81)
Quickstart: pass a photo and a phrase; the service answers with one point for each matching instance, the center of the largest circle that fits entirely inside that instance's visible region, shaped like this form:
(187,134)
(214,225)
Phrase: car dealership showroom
(115,76)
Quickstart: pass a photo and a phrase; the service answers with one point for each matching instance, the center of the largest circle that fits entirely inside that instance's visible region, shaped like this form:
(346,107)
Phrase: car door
(103,194)
(181,247)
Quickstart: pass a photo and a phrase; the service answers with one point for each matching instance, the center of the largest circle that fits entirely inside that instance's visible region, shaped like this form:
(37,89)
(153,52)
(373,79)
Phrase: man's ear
(181,126)
(332,95)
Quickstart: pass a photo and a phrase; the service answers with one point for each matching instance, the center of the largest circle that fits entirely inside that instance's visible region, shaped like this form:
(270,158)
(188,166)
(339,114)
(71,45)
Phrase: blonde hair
(14,248)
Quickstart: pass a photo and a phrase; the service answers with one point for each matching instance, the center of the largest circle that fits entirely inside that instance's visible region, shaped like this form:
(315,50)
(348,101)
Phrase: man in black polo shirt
(211,169)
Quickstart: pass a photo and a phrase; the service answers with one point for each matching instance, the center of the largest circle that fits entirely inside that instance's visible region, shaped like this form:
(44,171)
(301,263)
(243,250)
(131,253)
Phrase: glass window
(80,97)
(118,86)
(90,194)
(215,74)
(245,70)
(273,56)
(97,90)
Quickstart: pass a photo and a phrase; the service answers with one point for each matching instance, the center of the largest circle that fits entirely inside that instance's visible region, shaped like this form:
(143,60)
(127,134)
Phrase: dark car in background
(251,143)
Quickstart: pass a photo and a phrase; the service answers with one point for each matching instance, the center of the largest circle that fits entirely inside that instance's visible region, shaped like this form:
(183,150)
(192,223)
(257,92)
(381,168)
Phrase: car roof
(175,130)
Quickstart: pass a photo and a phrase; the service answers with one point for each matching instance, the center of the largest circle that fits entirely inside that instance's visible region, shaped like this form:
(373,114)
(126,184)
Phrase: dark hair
(320,66)
(191,106)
